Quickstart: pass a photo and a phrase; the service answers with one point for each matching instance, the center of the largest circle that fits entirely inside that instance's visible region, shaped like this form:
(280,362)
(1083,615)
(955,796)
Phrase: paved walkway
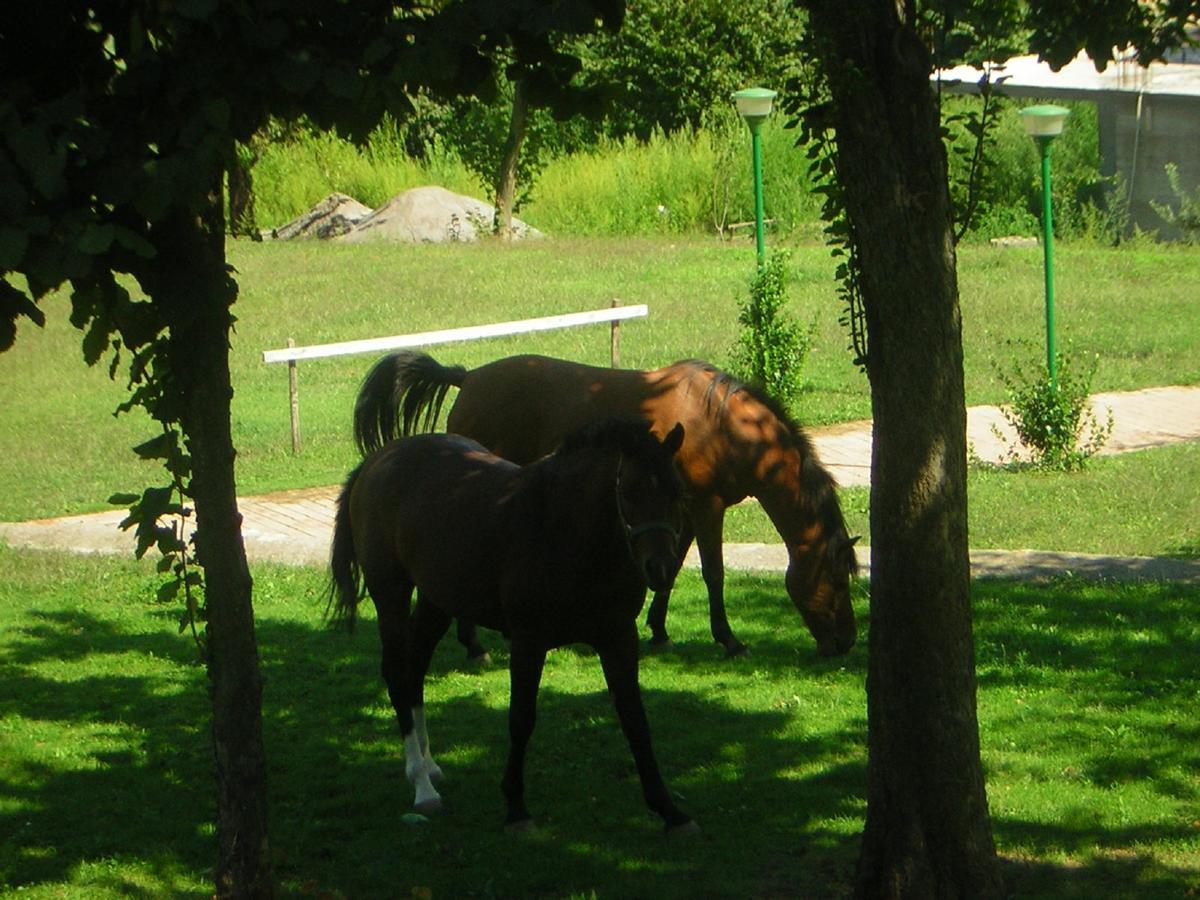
(294,527)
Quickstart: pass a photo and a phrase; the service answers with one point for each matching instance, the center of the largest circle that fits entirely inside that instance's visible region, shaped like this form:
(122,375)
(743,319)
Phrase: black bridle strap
(634,531)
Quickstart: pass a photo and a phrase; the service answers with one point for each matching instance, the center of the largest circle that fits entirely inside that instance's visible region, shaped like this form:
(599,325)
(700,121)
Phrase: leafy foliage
(1054,422)
(1187,217)
(771,347)
(676,59)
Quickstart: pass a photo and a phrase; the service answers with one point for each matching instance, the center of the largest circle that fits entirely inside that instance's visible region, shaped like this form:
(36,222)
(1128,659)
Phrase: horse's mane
(542,481)
(819,493)
(625,433)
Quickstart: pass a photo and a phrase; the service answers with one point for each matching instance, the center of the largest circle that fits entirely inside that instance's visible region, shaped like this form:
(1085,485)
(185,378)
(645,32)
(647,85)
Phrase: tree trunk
(197,291)
(927,832)
(506,178)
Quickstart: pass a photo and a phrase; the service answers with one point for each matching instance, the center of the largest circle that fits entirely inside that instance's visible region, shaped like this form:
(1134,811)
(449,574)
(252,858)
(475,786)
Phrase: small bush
(771,347)
(1051,421)
(1187,217)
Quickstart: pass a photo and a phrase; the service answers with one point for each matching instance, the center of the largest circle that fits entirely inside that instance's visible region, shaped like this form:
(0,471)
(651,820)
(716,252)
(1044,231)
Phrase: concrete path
(1146,418)
(294,527)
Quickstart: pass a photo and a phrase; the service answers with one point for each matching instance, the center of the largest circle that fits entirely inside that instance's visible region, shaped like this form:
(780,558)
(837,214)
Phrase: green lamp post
(754,105)
(1044,124)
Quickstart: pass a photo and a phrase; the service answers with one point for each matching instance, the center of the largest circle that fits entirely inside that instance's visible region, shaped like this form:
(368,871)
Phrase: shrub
(1050,420)
(1187,217)
(771,347)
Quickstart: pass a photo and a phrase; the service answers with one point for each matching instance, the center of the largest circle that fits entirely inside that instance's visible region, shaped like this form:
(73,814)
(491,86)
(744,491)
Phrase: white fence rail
(293,354)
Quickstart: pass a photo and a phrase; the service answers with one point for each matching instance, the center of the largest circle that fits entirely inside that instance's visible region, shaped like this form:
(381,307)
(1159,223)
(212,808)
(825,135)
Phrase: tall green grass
(293,175)
(684,183)
(692,181)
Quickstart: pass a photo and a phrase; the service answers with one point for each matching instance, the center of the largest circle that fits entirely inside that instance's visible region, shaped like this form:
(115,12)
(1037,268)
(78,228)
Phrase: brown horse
(739,443)
(558,552)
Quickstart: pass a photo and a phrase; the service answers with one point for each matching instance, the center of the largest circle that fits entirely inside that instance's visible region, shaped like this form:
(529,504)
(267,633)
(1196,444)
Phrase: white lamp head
(754,104)
(1044,121)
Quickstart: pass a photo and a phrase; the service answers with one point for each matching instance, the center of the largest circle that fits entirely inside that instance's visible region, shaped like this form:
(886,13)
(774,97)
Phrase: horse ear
(842,543)
(674,439)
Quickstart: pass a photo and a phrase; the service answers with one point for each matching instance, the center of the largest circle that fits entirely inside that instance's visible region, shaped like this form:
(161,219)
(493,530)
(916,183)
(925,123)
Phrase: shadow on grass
(131,804)
(767,752)
(105,766)
(1085,698)
(752,782)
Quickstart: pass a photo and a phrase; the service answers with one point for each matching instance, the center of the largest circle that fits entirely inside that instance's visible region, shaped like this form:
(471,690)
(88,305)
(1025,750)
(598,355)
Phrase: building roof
(1027,76)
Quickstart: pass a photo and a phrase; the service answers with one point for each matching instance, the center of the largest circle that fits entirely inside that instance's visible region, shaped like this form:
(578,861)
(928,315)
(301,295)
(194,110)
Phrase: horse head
(818,581)
(649,496)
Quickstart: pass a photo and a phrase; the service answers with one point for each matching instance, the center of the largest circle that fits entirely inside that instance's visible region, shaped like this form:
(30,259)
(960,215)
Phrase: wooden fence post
(616,336)
(294,398)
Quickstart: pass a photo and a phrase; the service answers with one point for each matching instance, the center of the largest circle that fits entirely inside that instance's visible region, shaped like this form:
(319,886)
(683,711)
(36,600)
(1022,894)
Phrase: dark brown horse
(739,443)
(558,552)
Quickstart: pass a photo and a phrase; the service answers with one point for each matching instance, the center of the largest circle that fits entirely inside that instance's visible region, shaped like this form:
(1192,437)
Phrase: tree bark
(927,832)
(506,179)
(197,291)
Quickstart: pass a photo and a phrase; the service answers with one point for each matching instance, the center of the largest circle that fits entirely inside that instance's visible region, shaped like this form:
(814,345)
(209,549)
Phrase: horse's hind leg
(429,624)
(620,662)
(526,662)
(392,605)
(469,638)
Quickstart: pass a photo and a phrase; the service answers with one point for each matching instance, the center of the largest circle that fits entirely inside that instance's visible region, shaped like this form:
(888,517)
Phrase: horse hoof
(425,807)
(660,645)
(687,829)
(480,660)
(521,827)
(735,649)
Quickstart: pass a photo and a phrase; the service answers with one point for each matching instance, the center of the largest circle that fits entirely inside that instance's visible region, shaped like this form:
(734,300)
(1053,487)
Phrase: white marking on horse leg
(427,798)
(434,770)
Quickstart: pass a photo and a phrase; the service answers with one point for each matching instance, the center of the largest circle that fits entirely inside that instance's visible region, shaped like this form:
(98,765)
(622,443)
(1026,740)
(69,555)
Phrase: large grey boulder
(430,215)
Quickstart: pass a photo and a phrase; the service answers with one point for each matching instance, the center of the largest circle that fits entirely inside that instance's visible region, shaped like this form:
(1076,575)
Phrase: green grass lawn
(64,452)
(1086,704)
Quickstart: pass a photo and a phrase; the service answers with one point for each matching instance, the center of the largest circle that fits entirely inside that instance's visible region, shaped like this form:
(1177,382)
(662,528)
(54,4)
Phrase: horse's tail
(345,577)
(402,394)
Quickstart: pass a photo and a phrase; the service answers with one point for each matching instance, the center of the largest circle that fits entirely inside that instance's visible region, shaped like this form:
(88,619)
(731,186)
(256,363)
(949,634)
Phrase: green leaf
(97,238)
(167,591)
(196,9)
(13,243)
(133,241)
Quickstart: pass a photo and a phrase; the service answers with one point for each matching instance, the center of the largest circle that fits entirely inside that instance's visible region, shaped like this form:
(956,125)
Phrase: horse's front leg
(620,661)
(656,616)
(527,661)
(709,523)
